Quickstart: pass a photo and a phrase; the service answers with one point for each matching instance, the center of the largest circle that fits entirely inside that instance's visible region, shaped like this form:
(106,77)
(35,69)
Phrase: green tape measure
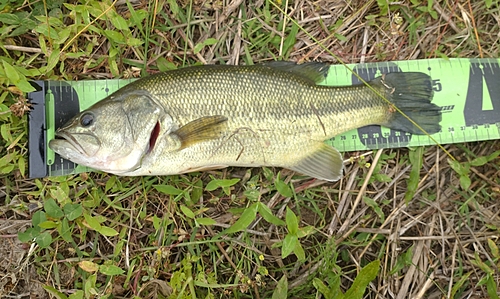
(467,90)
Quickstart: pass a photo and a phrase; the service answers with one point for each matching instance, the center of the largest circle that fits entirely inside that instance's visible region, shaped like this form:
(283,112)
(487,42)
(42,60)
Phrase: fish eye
(87,119)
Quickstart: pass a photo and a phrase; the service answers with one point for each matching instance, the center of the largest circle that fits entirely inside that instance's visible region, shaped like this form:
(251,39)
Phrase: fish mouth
(65,143)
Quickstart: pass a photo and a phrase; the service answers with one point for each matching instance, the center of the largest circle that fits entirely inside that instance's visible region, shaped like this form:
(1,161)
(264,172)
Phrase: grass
(402,223)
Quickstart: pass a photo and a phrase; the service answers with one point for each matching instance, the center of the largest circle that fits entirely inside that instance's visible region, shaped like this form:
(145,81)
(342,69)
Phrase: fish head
(114,134)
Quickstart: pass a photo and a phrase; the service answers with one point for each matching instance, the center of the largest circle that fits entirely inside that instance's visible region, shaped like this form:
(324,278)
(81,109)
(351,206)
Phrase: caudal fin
(412,93)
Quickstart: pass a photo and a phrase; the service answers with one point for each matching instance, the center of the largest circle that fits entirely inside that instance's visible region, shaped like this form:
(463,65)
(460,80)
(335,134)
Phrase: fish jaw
(69,147)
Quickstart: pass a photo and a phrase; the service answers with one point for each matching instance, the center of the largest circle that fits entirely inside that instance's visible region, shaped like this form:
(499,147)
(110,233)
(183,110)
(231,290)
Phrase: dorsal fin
(312,71)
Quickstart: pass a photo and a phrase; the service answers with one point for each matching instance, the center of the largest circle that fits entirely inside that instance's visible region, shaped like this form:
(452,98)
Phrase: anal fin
(324,163)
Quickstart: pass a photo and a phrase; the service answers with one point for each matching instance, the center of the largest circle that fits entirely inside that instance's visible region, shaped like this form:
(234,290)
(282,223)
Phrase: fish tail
(412,94)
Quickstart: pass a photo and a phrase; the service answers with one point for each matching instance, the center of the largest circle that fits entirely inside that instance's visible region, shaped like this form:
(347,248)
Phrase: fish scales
(210,117)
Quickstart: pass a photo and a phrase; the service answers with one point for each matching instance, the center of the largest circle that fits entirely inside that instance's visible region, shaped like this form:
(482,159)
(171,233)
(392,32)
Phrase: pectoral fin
(201,129)
(324,163)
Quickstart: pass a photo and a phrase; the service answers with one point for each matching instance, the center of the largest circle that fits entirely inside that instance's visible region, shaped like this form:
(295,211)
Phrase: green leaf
(168,189)
(187,212)
(119,22)
(266,213)
(9,19)
(460,169)
(292,223)
(47,225)
(283,188)
(25,86)
(38,218)
(480,161)
(288,245)
(376,208)
(214,184)
(245,219)
(29,235)
(107,231)
(299,252)
(416,160)
(114,36)
(491,287)
(43,240)
(52,209)
(92,222)
(465,182)
(65,230)
(207,42)
(281,290)
(53,59)
(205,221)
(72,211)
(11,73)
(305,231)
(110,270)
(494,249)
(365,276)
(323,289)
(54,292)
(76,295)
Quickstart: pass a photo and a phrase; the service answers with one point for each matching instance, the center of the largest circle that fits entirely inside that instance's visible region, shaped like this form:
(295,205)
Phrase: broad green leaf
(283,188)
(72,211)
(11,73)
(323,289)
(245,219)
(43,240)
(110,270)
(29,235)
(305,231)
(214,184)
(491,287)
(92,222)
(53,59)
(465,182)
(65,230)
(59,194)
(480,161)
(460,169)
(299,252)
(52,209)
(292,223)
(107,231)
(365,276)
(205,221)
(288,245)
(281,290)
(266,213)
(119,22)
(167,189)
(9,19)
(114,36)
(494,249)
(187,212)
(51,290)
(47,224)
(76,295)
(38,218)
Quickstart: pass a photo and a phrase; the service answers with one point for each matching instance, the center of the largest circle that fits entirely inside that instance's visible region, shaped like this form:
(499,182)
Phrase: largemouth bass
(210,117)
